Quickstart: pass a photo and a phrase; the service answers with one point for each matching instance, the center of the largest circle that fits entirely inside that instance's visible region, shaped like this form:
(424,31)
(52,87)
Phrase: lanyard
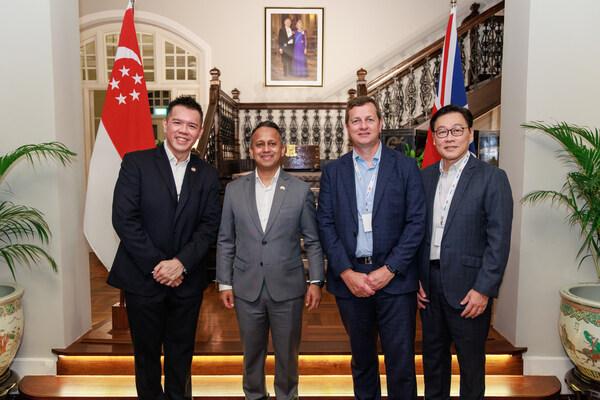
(446,203)
(369,188)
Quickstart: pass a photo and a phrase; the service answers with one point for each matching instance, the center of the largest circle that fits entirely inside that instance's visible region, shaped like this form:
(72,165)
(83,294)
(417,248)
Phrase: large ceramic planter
(579,327)
(11,325)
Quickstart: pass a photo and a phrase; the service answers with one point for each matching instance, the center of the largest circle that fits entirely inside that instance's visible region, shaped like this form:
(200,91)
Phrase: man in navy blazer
(463,255)
(371,218)
(166,212)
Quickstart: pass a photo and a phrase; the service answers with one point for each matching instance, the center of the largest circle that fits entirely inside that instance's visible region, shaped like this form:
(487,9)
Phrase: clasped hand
(363,285)
(169,272)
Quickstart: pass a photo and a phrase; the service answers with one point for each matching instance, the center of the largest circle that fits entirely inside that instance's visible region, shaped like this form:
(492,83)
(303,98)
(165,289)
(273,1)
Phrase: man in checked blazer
(259,263)
(463,255)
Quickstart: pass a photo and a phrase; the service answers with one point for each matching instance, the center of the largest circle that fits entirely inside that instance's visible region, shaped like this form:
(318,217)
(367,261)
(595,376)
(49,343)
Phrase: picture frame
(295,59)
(398,139)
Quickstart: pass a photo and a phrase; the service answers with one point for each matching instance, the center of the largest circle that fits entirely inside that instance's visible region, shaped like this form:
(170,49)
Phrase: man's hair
(452,108)
(187,102)
(268,124)
(361,101)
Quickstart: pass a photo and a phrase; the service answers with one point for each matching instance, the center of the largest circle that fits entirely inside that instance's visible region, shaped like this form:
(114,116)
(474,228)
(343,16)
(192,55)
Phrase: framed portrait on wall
(293,46)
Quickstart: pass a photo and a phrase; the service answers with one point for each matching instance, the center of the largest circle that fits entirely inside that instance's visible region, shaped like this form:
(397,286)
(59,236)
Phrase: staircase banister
(213,102)
(293,106)
(430,51)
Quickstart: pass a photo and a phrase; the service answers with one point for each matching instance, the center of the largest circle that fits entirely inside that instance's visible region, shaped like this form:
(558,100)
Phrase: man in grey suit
(463,256)
(259,263)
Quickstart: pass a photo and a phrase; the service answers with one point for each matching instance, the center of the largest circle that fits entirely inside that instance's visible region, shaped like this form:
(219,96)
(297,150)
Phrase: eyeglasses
(456,131)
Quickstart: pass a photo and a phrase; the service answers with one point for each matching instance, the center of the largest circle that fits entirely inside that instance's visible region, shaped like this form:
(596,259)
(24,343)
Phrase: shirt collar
(275,177)
(376,157)
(172,159)
(455,165)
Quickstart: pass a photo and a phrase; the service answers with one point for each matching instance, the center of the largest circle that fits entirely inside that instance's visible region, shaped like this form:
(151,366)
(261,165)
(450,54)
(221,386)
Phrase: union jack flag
(451,85)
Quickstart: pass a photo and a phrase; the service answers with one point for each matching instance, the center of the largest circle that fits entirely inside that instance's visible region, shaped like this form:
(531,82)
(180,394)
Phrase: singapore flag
(125,126)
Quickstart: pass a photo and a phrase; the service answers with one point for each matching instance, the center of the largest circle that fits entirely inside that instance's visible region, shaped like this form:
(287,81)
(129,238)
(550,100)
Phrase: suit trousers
(393,317)
(284,318)
(442,325)
(163,320)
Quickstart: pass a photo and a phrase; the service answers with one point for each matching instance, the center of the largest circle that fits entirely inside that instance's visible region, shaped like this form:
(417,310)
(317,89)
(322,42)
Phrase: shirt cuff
(223,286)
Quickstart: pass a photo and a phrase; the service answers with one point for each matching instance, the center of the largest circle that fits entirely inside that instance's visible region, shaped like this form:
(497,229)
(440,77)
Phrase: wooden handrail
(292,106)
(430,51)
(215,87)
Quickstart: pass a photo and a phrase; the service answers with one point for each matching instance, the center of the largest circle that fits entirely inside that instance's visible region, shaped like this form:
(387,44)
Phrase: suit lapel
(188,181)
(460,189)
(431,177)
(347,174)
(281,188)
(162,163)
(386,166)
(251,199)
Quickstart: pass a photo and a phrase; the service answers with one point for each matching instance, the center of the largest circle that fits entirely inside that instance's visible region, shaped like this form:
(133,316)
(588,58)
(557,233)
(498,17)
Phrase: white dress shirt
(443,187)
(178,169)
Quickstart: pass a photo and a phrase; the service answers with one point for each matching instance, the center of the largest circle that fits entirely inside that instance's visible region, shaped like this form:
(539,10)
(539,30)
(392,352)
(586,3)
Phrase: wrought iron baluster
(411,96)
(247,127)
(316,129)
(304,128)
(294,129)
(339,135)
(327,140)
(426,88)
(282,127)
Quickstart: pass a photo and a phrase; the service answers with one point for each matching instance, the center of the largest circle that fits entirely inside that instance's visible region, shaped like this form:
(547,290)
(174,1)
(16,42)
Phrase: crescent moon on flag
(124,52)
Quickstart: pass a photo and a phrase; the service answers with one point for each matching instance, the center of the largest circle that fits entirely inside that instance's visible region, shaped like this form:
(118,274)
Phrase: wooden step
(42,387)
(496,364)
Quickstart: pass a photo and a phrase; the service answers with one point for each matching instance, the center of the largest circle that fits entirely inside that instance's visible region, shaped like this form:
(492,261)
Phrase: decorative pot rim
(18,292)
(566,294)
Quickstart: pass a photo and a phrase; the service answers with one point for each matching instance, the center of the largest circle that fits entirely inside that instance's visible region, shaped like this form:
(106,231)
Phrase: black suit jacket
(153,226)
(476,238)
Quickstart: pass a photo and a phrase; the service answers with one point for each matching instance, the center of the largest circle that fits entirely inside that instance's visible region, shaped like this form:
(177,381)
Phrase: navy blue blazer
(153,226)
(476,239)
(398,220)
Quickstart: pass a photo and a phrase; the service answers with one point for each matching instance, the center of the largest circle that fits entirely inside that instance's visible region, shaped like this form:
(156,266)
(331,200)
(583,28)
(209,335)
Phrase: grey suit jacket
(476,239)
(247,256)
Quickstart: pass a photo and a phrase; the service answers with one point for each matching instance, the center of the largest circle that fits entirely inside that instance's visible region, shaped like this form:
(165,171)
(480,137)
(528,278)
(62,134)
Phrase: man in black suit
(166,212)
(463,255)
(286,46)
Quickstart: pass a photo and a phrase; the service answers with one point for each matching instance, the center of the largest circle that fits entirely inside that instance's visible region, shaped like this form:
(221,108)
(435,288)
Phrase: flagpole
(452,3)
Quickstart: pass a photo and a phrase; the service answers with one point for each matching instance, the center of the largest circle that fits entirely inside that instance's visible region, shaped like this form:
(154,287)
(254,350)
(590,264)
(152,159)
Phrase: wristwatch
(318,283)
(392,270)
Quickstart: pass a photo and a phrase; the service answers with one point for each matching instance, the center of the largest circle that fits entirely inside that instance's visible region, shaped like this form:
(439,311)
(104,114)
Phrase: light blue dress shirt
(364,240)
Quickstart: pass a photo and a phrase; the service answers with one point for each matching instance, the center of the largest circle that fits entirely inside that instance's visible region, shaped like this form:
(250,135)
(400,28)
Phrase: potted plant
(21,225)
(579,318)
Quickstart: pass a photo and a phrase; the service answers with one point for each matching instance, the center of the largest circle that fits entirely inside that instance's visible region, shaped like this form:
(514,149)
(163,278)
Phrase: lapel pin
(282,187)
(193,169)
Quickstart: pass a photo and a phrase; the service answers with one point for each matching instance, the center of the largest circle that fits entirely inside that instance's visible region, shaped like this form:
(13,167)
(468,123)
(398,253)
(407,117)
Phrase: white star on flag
(124,127)
(135,95)
(137,79)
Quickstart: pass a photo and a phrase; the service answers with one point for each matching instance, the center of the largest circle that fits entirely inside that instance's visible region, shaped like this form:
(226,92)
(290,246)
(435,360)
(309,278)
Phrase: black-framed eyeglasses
(456,131)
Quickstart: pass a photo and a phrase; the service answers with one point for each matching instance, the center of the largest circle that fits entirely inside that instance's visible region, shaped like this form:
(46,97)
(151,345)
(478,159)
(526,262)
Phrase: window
(180,64)
(88,61)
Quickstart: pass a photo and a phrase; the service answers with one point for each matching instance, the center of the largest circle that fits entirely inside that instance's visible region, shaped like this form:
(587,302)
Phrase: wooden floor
(218,333)
(100,363)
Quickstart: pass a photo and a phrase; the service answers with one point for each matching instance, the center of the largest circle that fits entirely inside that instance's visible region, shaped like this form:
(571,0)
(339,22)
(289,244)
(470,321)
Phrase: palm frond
(31,152)
(20,222)
(27,254)
(581,190)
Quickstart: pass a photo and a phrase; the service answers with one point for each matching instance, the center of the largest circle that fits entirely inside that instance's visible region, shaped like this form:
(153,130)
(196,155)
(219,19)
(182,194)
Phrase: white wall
(374,35)
(549,73)
(41,102)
